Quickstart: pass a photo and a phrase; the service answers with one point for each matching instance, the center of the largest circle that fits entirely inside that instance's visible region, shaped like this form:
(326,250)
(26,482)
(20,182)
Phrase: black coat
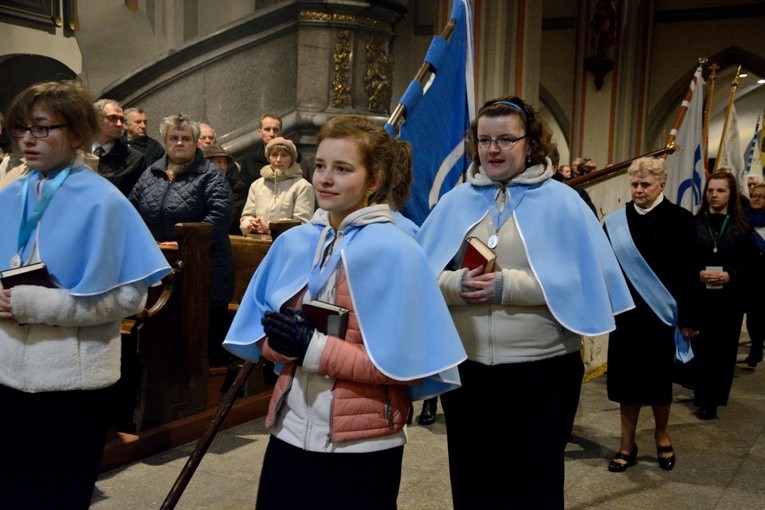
(641,351)
(151,149)
(239,192)
(722,310)
(122,166)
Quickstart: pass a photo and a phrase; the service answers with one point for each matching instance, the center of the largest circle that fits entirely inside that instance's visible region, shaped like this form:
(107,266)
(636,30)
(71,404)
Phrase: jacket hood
(378,213)
(281,175)
(532,175)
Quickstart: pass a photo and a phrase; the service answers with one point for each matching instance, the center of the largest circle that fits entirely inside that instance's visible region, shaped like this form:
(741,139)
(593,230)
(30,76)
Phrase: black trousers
(51,448)
(507,429)
(295,478)
(755,325)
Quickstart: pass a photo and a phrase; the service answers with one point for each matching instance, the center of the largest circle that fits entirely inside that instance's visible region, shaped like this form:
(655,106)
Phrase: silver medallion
(493,241)
(714,250)
(15,261)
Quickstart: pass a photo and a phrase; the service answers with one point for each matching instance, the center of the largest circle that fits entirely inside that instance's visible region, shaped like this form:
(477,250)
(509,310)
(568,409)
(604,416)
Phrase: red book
(33,274)
(328,318)
(478,254)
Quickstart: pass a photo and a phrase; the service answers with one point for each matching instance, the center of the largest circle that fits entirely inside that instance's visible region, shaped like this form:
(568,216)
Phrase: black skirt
(641,356)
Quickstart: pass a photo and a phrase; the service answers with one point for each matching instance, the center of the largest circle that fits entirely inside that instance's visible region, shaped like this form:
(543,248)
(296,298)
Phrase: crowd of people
(669,287)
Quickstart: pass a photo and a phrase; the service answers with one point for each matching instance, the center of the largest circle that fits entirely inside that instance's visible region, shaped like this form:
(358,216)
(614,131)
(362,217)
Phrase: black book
(33,274)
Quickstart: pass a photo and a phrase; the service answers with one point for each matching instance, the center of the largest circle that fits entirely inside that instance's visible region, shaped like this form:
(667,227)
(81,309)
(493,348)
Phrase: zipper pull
(328,442)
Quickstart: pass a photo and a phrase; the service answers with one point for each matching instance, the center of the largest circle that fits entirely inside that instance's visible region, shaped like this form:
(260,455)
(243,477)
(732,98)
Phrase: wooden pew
(248,254)
(165,348)
(166,375)
(168,395)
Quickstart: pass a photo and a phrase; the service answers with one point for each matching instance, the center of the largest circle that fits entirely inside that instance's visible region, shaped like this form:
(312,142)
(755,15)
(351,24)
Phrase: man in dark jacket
(119,163)
(136,124)
(253,161)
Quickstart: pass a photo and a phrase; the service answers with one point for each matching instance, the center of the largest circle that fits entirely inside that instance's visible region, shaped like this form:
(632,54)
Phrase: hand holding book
(477,254)
(328,318)
(288,333)
(32,274)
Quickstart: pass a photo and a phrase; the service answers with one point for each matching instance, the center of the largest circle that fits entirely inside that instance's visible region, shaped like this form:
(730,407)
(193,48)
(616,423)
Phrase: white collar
(642,211)
(107,146)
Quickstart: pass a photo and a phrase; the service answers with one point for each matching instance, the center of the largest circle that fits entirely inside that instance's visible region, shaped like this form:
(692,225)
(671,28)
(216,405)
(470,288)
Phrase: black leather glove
(288,334)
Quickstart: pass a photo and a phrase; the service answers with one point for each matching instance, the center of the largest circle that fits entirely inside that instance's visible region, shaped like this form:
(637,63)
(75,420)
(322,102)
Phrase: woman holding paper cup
(725,250)
(341,402)
(654,241)
(60,346)
(521,324)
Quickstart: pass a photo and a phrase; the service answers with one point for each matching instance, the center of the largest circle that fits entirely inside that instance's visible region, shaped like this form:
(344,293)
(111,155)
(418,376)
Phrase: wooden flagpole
(192,463)
(707,110)
(422,76)
(597,175)
(733,87)
(683,109)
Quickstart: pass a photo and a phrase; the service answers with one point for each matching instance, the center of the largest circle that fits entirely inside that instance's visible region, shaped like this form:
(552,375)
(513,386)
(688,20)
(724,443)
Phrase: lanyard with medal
(29,224)
(498,218)
(716,238)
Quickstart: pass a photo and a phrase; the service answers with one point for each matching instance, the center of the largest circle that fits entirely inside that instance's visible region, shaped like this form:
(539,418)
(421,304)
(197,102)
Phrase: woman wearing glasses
(60,345)
(521,323)
(755,318)
(186,187)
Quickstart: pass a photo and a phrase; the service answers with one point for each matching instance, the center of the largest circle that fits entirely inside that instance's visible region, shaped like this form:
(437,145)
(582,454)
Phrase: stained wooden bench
(165,372)
(248,254)
(168,393)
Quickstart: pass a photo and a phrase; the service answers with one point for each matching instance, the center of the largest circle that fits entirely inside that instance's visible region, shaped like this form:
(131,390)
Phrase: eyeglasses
(754,196)
(176,139)
(504,141)
(37,131)
(115,118)
(207,137)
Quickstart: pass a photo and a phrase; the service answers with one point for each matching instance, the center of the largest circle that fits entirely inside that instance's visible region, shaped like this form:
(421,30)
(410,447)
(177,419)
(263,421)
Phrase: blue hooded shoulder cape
(404,322)
(90,237)
(566,247)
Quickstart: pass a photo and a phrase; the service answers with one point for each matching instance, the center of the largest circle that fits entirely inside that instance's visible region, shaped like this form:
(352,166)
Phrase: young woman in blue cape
(340,405)
(60,347)
(521,324)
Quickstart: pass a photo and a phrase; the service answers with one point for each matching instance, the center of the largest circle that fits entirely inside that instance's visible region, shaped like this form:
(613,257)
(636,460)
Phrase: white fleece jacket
(65,342)
(278,195)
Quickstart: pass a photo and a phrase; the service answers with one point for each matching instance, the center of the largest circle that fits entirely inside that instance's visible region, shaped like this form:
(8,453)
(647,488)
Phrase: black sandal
(666,463)
(618,467)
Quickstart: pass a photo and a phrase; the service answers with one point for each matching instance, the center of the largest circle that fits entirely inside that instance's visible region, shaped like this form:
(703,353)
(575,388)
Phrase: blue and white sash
(645,281)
